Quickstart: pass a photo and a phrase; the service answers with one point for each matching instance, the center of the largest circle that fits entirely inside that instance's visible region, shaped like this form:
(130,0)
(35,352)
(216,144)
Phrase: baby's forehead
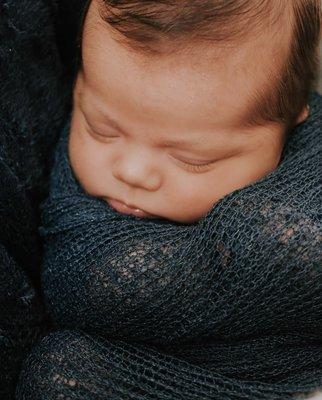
(257,54)
(220,92)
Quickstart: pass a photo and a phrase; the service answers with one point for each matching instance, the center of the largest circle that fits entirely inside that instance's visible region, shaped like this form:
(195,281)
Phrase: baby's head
(178,103)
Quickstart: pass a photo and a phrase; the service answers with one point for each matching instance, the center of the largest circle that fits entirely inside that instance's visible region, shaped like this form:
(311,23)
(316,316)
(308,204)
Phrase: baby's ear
(303,115)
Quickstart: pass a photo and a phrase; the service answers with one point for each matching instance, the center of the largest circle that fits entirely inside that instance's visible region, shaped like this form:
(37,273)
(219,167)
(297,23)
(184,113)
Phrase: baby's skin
(169,136)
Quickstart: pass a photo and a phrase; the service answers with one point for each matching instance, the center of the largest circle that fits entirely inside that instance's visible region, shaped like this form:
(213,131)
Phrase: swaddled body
(160,282)
(237,294)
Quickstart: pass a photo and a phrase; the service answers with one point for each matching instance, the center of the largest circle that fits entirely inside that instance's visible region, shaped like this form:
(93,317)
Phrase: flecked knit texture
(34,103)
(229,307)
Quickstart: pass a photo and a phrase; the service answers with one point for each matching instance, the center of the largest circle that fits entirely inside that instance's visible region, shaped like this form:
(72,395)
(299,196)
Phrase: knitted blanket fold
(229,307)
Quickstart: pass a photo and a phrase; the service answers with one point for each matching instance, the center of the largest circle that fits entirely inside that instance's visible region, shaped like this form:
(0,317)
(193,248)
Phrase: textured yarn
(34,104)
(227,308)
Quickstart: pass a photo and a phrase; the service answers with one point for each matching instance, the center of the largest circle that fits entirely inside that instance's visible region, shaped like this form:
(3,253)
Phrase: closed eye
(101,135)
(195,165)
(94,132)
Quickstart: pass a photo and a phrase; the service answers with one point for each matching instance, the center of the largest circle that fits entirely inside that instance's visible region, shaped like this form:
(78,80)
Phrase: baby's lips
(124,209)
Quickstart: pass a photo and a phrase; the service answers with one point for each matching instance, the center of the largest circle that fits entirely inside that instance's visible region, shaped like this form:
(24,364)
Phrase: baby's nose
(138,171)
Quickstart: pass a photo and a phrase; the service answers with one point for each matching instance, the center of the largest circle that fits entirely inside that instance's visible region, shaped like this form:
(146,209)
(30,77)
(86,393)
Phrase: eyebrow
(252,119)
(167,142)
(111,121)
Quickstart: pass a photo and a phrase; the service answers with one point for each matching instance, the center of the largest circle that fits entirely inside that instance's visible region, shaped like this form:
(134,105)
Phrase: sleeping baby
(177,106)
(181,239)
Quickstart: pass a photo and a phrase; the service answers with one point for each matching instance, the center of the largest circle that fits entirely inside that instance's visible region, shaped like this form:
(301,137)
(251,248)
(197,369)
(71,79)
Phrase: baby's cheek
(197,195)
(88,165)
(191,201)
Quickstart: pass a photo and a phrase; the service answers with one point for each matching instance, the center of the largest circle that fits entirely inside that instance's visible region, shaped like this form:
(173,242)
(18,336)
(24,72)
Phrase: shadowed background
(320,80)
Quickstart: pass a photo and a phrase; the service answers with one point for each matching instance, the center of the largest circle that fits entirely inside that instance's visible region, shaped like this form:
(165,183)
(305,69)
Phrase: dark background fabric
(36,71)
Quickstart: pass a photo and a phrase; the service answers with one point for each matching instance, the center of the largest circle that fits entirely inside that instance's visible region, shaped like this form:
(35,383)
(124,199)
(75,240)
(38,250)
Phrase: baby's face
(169,135)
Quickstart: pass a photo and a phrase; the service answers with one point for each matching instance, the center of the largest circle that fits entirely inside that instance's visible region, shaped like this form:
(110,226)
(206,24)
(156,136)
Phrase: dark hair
(153,27)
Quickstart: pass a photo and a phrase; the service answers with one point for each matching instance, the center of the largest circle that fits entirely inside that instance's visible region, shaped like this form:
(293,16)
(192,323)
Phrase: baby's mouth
(125,209)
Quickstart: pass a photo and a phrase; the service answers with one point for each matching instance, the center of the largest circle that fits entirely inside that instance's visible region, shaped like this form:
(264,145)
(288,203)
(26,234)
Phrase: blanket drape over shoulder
(229,307)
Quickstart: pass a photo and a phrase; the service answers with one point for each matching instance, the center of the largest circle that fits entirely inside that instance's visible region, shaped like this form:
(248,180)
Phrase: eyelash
(198,168)
(101,135)
(190,167)
(194,167)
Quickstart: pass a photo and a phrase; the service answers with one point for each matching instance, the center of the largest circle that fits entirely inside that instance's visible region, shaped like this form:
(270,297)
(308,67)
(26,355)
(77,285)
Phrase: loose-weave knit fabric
(227,308)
